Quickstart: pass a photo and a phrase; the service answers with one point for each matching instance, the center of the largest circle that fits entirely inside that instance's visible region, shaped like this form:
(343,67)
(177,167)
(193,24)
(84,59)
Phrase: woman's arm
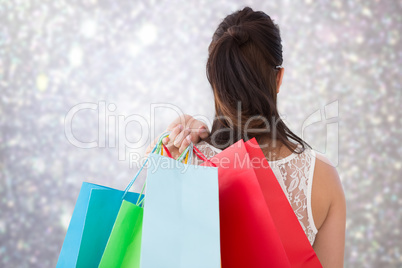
(329,213)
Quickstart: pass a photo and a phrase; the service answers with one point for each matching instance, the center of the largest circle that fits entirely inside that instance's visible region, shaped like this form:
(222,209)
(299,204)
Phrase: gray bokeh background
(122,56)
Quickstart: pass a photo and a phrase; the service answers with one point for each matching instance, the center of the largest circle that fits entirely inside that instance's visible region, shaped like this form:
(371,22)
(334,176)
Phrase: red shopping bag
(298,249)
(248,234)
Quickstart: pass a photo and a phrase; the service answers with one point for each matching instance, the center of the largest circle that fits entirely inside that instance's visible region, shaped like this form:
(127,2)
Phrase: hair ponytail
(243,54)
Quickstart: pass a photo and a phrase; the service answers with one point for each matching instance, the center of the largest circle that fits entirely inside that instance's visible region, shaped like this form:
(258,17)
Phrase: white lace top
(295,175)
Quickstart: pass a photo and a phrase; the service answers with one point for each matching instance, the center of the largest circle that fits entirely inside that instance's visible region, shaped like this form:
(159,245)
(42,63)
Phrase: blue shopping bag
(90,225)
(92,221)
(181,215)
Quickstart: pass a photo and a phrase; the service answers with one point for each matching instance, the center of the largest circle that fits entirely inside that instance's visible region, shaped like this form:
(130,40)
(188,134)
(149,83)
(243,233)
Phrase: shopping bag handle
(202,156)
(185,154)
(166,150)
(156,148)
(159,147)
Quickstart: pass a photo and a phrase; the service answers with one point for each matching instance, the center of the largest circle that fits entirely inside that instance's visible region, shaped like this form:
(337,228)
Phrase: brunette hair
(241,68)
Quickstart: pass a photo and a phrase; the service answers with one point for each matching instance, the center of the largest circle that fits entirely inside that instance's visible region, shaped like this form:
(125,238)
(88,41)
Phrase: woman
(245,72)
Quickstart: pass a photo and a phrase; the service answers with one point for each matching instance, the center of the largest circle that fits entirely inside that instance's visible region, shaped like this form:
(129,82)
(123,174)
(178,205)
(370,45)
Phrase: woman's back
(294,173)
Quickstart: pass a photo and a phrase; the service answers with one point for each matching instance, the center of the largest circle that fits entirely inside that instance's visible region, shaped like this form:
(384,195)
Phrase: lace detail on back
(295,175)
(208,150)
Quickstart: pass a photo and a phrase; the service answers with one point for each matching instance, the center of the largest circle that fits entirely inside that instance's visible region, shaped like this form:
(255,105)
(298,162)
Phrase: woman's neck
(274,149)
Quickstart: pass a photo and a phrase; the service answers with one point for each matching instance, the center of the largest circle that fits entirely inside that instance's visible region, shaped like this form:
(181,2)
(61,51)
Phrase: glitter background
(342,80)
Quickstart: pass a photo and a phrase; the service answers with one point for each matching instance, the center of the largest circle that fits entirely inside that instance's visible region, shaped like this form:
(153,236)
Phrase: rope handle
(159,148)
(185,153)
(167,151)
(202,156)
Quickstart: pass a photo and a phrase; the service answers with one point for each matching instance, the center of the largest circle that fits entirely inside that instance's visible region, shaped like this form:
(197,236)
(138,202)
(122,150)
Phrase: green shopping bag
(124,246)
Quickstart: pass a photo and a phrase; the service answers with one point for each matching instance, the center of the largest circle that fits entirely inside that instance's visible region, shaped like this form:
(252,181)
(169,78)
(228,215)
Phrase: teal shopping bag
(90,225)
(181,216)
(92,221)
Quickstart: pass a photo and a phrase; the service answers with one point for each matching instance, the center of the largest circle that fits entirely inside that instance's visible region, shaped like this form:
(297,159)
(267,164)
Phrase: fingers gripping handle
(186,155)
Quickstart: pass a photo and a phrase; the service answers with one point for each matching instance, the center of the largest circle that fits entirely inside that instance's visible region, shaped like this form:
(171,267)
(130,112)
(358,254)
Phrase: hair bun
(239,34)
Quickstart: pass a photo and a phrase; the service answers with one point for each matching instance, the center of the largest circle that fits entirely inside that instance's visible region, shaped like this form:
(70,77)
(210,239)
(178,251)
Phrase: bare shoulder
(326,189)
(329,213)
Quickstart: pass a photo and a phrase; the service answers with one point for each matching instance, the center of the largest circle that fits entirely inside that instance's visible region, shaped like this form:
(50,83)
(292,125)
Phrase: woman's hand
(183,130)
